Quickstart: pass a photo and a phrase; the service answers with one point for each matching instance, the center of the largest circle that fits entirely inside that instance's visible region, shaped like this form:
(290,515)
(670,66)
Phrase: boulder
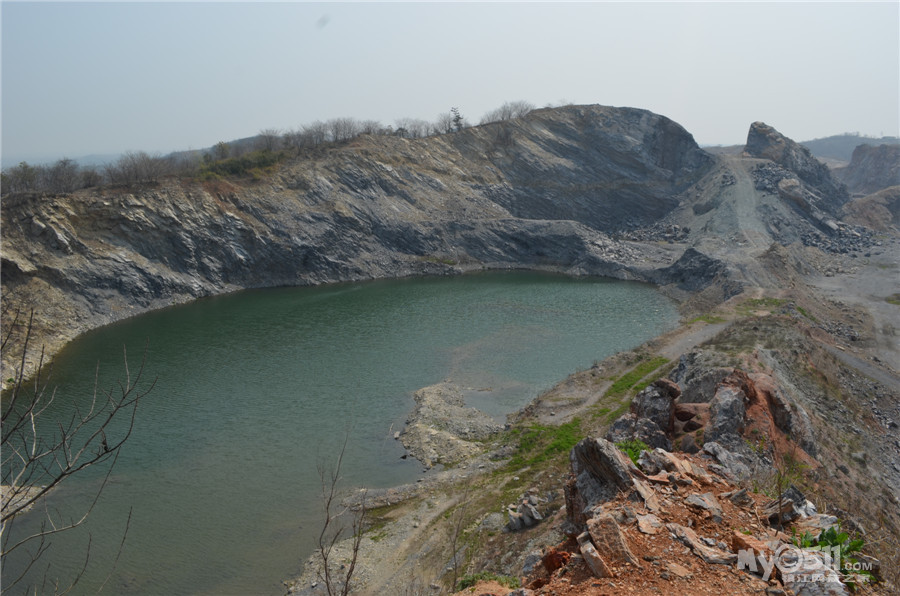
(792,505)
(709,554)
(730,465)
(601,470)
(649,524)
(656,402)
(593,559)
(727,412)
(706,502)
(609,540)
(629,427)
(698,375)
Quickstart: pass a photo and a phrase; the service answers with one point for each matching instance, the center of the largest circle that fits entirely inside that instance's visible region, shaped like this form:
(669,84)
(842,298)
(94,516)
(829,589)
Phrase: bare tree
(61,176)
(413,128)
(268,139)
(371,127)
(35,461)
(315,133)
(457,522)
(90,177)
(294,139)
(443,124)
(334,528)
(21,178)
(343,129)
(508,111)
(135,167)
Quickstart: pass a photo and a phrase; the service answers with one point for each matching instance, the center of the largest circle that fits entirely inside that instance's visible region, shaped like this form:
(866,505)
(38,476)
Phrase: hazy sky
(81,78)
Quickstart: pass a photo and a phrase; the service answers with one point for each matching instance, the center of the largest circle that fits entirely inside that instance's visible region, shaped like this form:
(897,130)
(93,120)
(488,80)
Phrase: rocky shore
(441,430)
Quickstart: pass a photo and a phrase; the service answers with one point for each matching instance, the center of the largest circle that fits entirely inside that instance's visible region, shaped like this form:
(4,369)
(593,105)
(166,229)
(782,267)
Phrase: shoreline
(575,395)
(423,497)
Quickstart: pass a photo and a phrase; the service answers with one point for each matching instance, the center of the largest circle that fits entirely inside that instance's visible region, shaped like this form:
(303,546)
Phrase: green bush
(632,448)
(839,543)
(252,164)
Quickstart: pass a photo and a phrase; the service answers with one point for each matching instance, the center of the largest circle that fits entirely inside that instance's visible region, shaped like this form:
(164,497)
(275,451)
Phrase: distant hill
(841,147)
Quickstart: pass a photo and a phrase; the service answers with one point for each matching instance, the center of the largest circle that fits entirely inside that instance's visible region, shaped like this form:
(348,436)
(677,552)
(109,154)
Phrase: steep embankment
(542,191)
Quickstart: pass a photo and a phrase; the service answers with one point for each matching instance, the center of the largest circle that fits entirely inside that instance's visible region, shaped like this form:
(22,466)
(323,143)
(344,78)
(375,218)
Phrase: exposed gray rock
(765,142)
(706,502)
(709,554)
(792,505)
(692,271)
(593,559)
(741,498)
(656,403)
(727,411)
(697,375)
(531,561)
(872,168)
(628,427)
(440,429)
(730,465)
(610,541)
(601,470)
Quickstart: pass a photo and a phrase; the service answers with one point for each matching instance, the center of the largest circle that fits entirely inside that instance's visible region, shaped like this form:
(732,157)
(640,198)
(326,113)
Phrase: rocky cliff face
(813,184)
(872,169)
(541,191)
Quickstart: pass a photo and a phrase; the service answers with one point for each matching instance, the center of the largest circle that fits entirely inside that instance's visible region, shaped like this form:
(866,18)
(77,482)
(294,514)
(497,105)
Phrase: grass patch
(893,299)
(538,442)
(708,318)
(440,260)
(614,415)
(803,312)
(633,377)
(485,576)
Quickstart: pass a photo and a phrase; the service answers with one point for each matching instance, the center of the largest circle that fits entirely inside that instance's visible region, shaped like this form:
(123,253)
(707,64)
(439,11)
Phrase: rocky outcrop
(442,430)
(732,417)
(709,537)
(600,471)
(872,168)
(651,418)
(813,185)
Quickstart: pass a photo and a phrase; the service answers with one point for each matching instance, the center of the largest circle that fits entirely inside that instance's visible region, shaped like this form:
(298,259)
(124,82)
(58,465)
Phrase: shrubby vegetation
(238,159)
(508,111)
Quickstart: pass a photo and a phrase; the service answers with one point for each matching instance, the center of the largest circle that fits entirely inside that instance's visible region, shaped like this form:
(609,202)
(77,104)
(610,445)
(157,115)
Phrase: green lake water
(254,388)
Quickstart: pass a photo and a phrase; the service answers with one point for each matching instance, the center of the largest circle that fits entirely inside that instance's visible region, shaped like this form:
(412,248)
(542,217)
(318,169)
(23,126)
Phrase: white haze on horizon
(104,78)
